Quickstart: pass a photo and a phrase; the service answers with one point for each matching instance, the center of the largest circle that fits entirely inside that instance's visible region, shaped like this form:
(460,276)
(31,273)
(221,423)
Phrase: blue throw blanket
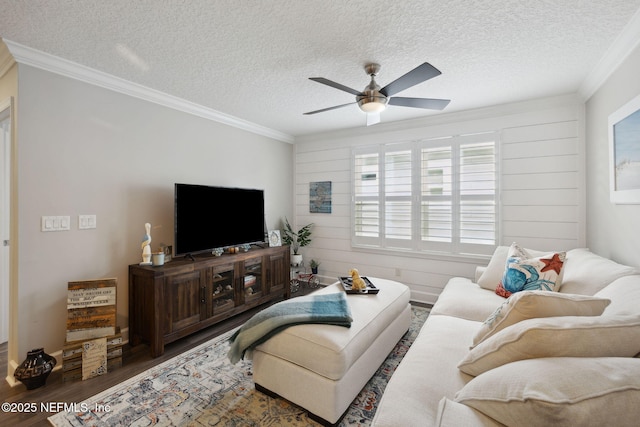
(331,309)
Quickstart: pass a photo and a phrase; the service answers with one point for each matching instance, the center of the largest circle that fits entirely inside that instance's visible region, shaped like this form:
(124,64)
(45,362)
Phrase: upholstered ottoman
(322,368)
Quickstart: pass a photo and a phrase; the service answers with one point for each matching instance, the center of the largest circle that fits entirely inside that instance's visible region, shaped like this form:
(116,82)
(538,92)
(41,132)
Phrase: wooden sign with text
(91,309)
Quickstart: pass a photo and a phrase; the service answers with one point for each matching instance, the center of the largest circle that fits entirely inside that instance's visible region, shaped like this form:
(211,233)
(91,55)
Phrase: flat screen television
(209,217)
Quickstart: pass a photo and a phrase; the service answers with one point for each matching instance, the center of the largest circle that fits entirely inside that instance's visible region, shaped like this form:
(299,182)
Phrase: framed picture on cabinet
(624,153)
(274,238)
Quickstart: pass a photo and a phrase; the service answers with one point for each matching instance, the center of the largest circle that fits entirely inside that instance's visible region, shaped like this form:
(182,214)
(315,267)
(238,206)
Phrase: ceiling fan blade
(373,118)
(428,103)
(335,85)
(419,74)
(328,109)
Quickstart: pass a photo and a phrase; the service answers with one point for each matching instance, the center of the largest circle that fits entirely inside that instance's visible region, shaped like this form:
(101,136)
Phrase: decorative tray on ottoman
(346,282)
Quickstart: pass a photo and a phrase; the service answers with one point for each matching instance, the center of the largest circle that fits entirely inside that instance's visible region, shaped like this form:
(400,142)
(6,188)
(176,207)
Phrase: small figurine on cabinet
(146,245)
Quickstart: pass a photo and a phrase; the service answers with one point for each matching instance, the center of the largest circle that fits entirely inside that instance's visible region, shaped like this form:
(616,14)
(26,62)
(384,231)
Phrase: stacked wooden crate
(94,343)
(72,357)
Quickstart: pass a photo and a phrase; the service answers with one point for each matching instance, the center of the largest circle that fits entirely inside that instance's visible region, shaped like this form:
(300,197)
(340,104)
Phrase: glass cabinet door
(253,281)
(223,293)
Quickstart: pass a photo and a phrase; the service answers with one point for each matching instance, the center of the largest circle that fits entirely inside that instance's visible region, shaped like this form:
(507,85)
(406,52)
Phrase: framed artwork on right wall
(624,153)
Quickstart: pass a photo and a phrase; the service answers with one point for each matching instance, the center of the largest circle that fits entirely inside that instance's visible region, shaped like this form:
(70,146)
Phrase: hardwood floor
(135,360)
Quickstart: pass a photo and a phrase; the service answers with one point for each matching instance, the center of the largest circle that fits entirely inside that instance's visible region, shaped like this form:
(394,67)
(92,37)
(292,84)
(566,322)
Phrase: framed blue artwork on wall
(320,197)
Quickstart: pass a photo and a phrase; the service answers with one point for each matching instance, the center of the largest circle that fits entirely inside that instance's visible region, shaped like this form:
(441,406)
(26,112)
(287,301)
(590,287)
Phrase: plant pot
(314,270)
(296,259)
(35,369)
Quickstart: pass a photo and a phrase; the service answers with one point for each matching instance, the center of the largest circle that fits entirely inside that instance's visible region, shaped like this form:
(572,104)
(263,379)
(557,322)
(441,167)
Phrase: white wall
(612,230)
(87,150)
(542,181)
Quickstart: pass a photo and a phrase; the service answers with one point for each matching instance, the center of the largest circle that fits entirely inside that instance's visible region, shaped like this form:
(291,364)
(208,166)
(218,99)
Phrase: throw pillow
(492,274)
(567,336)
(534,304)
(526,273)
(556,391)
(494,270)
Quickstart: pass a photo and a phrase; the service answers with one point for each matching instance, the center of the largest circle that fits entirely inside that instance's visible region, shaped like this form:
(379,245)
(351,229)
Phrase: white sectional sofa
(540,358)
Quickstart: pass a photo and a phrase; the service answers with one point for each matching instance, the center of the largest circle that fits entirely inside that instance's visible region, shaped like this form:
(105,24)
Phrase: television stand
(183,296)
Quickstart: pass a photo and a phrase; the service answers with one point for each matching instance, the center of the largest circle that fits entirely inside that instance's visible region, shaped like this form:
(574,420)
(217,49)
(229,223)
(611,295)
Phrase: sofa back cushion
(624,294)
(568,336)
(559,391)
(533,304)
(586,273)
(492,274)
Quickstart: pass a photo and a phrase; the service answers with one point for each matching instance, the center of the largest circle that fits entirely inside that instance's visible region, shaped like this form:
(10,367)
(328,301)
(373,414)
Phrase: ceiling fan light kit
(373,100)
(372,103)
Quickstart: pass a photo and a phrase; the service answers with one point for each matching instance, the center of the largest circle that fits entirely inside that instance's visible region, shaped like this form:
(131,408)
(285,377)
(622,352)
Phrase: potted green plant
(314,266)
(296,239)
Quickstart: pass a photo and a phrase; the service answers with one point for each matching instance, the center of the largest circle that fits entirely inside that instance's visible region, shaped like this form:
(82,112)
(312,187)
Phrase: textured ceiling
(252,59)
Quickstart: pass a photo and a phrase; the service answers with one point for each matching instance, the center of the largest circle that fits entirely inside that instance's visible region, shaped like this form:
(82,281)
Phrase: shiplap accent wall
(542,187)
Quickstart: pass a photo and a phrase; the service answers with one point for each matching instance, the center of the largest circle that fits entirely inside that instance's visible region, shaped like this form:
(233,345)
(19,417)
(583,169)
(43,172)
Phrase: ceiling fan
(372,100)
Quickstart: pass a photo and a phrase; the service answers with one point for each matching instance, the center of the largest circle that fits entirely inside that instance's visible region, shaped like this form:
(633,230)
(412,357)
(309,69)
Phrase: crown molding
(44,61)
(621,48)
(6,60)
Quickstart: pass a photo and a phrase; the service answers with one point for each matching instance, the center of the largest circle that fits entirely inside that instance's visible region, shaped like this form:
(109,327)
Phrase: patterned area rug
(202,388)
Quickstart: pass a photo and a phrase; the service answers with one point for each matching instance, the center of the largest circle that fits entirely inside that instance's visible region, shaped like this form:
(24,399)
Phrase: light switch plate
(86,222)
(56,223)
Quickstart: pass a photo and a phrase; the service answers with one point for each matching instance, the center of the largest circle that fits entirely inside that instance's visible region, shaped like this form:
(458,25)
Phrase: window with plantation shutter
(437,195)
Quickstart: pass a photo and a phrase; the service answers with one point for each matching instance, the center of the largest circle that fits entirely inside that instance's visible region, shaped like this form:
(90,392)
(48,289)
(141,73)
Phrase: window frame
(415,244)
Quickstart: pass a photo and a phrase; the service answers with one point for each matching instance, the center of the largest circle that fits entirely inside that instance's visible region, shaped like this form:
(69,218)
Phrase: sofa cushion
(454,414)
(624,294)
(523,271)
(563,391)
(464,299)
(587,273)
(533,304)
(568,336)
(427,373)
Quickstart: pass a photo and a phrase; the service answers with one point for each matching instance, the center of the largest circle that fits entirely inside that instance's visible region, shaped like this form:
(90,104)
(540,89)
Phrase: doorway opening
(5,168)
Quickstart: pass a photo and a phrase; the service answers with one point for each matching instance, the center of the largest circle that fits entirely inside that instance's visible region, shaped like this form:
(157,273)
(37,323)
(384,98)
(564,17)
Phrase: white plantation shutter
(437,195)
(366,190)
(478,193)
(398,197)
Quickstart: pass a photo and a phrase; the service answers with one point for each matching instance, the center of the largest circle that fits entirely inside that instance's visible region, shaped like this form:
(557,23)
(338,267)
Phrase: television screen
(208,217)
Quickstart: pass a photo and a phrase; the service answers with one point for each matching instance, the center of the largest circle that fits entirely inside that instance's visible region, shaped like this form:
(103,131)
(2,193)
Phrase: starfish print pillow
(526,273)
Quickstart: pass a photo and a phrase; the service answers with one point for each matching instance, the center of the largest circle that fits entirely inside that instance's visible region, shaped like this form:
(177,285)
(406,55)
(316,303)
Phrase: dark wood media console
(183,296)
